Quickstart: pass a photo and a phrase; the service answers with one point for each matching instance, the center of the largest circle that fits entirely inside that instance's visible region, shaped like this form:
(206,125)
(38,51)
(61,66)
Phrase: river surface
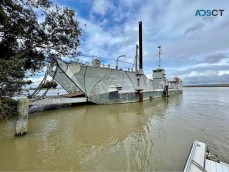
(151,136)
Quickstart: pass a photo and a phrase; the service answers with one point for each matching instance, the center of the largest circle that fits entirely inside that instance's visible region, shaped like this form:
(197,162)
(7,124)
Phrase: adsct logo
(209,13)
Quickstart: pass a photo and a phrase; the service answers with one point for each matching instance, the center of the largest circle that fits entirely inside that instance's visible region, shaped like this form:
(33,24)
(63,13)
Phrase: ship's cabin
(158,74)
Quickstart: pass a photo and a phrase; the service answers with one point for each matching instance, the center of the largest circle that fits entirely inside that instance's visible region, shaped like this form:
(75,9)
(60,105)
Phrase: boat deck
(217,167)
(197,160)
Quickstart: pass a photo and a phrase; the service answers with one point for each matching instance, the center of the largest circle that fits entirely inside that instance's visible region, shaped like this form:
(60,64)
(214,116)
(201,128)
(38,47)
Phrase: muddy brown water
(151,136)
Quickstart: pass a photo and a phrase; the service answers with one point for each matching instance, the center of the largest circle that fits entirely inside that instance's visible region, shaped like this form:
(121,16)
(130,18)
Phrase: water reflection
(91,136)
(126,135)
(152,136)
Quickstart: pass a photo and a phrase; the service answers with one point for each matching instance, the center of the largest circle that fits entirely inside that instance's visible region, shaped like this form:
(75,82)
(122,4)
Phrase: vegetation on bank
(8,108)
(32,35)
(49,84)
(205,85)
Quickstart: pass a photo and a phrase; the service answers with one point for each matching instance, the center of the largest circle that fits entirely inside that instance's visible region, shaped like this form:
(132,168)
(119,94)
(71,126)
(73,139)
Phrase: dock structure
(22,118)
(58,100)
(23,108)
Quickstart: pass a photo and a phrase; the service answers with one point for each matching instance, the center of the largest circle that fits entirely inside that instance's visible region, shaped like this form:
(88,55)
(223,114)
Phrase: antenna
(136,59)
(159,55)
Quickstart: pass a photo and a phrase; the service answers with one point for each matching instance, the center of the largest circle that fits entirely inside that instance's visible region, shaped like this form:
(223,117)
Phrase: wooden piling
(22,118)
(141,96)
(166,91)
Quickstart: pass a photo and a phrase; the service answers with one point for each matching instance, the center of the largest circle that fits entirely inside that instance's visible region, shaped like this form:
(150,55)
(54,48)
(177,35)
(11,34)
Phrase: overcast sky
(194,48)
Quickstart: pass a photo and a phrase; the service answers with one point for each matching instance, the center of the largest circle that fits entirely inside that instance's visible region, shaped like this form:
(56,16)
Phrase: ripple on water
(149,136)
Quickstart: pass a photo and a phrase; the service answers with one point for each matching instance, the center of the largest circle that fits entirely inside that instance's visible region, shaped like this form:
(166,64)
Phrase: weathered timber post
(166,91)
(22,118)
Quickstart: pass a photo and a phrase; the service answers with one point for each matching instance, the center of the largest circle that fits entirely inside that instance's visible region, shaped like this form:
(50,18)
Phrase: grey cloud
(208,19)
(209,74)
(207,79)
(212,40)
(176,33)
(196,27)
(212,68)
(225,24)
(214,58)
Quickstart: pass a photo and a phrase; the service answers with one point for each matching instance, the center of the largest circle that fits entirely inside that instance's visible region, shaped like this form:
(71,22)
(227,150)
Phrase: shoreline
(227,85)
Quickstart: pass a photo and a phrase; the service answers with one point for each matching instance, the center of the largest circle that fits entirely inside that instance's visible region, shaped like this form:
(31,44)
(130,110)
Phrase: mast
(136,59)
(159,55)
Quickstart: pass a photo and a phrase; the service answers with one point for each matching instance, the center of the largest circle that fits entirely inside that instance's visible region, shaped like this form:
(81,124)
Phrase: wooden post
(22,118)
(166,91)
(141,96)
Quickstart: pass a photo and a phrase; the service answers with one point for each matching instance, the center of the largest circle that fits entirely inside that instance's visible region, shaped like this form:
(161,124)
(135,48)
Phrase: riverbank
(207,85)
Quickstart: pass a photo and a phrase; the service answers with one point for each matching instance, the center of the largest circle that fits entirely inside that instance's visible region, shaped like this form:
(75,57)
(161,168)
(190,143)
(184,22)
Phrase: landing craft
(102,84)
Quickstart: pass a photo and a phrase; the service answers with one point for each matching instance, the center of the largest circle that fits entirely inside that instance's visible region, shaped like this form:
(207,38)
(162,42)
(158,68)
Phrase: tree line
(49,84)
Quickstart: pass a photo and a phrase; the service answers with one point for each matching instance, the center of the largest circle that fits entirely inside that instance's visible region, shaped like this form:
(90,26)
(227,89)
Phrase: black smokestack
(140,45)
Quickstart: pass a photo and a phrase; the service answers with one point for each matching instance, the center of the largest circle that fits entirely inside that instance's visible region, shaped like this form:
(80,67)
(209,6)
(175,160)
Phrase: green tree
(32,34)
(49,84)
